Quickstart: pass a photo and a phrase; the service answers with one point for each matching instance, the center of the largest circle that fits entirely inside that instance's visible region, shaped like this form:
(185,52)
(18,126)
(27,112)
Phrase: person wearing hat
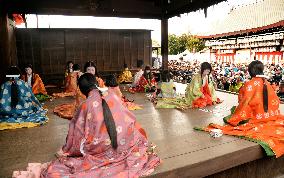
(18,105)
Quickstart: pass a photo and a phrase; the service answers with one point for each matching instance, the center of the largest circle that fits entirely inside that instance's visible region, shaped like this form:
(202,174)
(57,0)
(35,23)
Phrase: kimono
(88,151)
(249,120)
(137,77)
(144,85)
(125,77)
(27,113)
(128,104)
(67,110)
(70,85)
(37,86)
(193,96)
(167,93)
(195,90)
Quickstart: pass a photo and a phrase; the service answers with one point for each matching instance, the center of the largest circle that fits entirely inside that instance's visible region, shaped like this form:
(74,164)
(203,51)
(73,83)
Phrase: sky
(194,22)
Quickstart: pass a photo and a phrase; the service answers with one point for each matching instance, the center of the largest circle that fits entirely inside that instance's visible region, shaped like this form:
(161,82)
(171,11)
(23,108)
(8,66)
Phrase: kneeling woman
(257,117)
(146,83)
(201,90)
(104,140)
(35,82)
(18,105)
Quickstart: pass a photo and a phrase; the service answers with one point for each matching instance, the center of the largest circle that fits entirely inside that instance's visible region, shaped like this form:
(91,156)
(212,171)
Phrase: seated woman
(166,92)
(71,83)
(257,117)
(34,81)
(104,140)
(67,110)
(18,106)
(146,83)
(69,68)
(91,68)
(201,90)
(138,74)
(199,93)
(113,86)
(126,76)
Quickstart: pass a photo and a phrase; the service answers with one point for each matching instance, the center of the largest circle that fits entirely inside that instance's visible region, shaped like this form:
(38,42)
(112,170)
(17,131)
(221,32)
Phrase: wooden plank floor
(184,152)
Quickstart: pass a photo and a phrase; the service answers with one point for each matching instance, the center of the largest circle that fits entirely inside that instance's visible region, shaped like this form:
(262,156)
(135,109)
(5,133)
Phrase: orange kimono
(67,110)
(37,84)
(249,120)
(70,86)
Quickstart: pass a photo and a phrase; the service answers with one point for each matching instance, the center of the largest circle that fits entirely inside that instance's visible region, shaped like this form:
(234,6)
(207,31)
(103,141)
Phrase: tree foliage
(178,44)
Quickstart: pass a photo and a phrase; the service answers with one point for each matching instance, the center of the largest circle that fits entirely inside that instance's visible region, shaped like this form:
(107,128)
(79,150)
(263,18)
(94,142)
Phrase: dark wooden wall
(7,44)
(48,50)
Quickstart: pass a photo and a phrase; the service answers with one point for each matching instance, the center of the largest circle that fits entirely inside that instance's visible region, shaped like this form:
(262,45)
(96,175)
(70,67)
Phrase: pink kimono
(89,149)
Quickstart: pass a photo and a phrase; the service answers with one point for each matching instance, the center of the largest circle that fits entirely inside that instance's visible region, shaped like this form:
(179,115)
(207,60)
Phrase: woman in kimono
(146,83)
(112,85)
(71,86)
(104,140)
(126,76)
(199,93)
(201,90)
(138,74)
(18,106)
(91,68)
(67,110)
(257,117)
(166,92)
(69,68)
(34,81)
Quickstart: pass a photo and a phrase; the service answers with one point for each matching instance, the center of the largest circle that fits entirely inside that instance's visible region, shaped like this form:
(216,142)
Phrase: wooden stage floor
(184,152)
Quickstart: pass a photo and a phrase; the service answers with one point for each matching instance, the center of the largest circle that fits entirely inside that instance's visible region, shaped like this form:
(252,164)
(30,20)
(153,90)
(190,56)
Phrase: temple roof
(261,15)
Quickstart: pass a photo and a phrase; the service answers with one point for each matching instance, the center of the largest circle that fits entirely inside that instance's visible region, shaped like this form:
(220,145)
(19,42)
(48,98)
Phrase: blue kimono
(28,111)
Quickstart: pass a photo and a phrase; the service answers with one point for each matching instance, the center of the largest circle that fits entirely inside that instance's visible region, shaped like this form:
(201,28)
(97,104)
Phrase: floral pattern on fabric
(249,120)
(27,113)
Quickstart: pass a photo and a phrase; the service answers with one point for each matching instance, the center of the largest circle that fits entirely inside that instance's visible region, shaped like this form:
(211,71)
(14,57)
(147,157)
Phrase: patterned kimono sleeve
(76,132)
(3,96)
(243,111)
(29,94)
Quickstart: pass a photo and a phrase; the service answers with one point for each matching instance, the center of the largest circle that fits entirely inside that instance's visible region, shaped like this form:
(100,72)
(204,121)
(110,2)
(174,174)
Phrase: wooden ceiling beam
(175,8)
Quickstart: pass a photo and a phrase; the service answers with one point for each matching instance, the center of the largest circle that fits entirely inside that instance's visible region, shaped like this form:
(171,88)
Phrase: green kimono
(193,89)
(193,92)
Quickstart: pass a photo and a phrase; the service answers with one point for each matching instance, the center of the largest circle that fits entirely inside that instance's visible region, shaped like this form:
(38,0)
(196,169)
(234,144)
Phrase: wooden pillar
(4,45)
(164,43)
(7,45)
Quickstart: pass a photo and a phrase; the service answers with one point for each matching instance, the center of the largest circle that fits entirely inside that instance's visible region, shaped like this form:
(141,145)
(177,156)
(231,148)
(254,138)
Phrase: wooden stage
(184,152)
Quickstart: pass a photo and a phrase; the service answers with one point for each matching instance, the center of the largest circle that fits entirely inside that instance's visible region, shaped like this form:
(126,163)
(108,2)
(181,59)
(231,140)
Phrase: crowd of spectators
(227,76)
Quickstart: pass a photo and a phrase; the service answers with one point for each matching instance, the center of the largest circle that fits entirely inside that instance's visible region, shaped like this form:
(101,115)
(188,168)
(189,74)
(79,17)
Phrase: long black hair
(91,64)
(67,66)
(13,70)
(111,81)
(26,76)
(88,82)
(148,76)
(204,66)
(256,68)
